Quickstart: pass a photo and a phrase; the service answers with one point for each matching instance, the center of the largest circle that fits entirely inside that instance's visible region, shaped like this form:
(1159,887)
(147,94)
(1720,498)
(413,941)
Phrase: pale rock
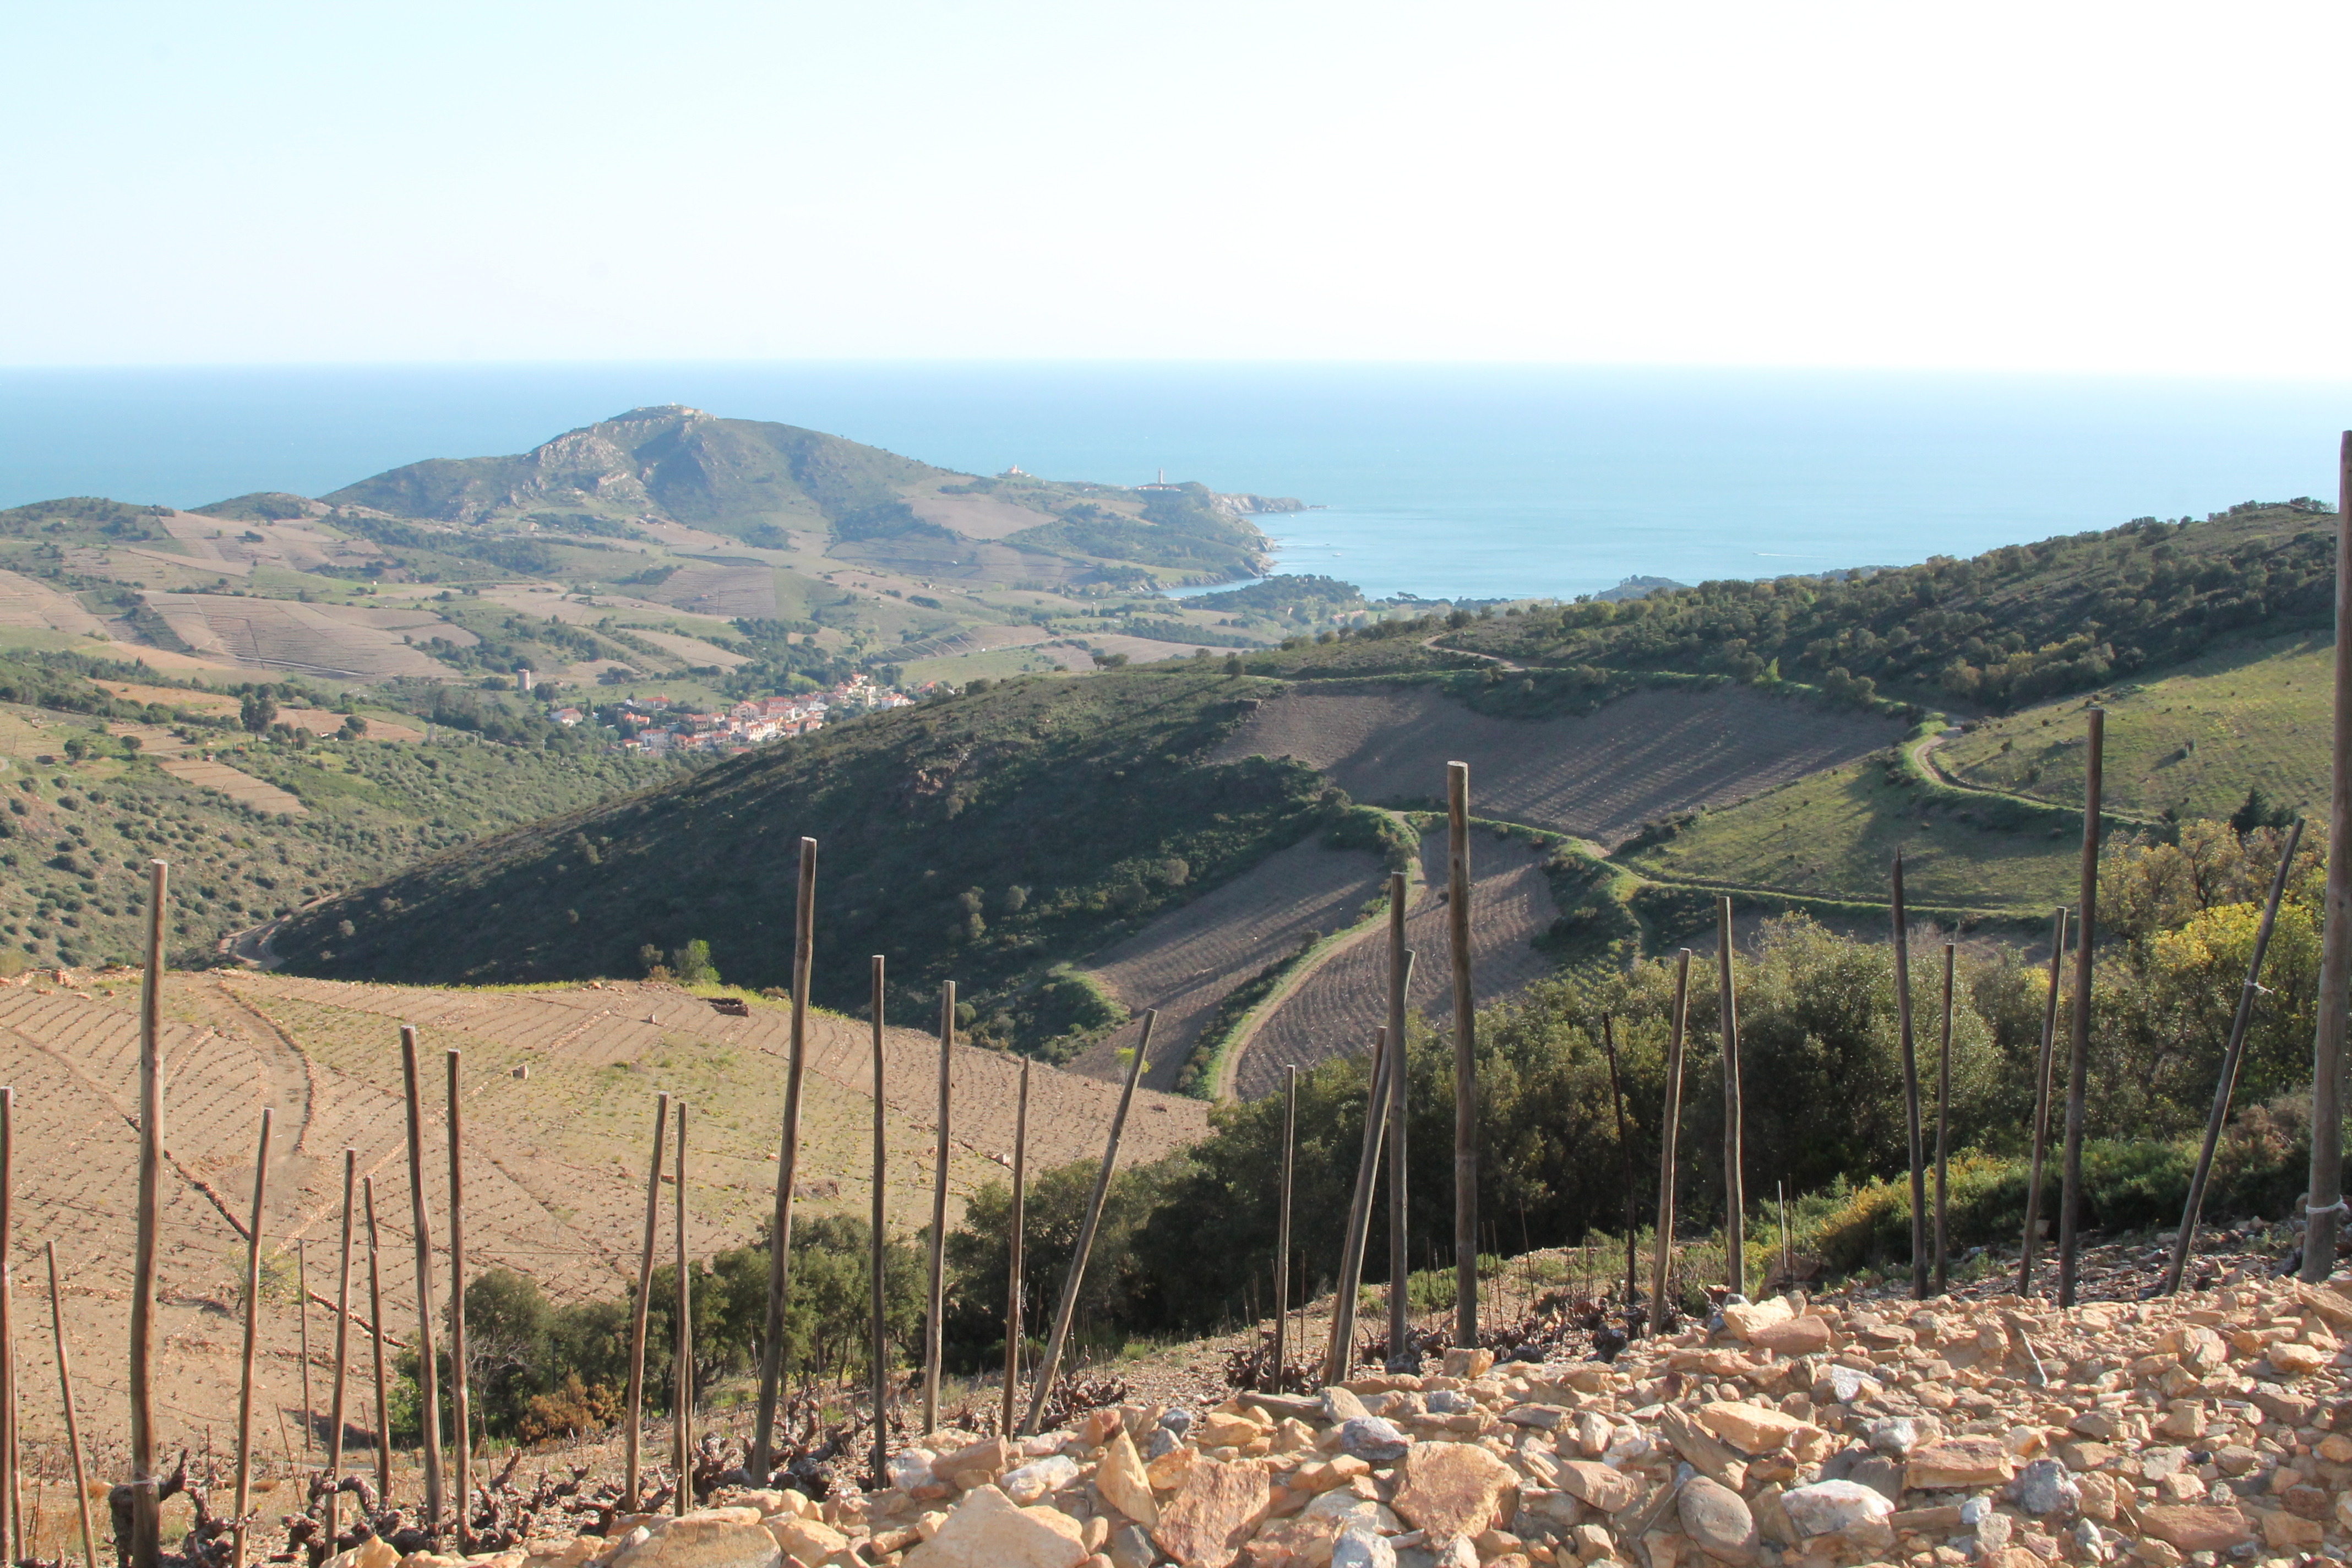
(2195,1527)
(1120,1479)
(1591,1434)
(1894,1436)
(2101,1424)
(1610,1491)
(1716,1519)
(1466,1361)
(1844,1385)
(996,1456)
(2298,1360)
(1337,1511)
(1355,1549)
(2043,1486)
(1341,1404)
(1039,1477)
(1751,1428)
(1219,1506)
(1374,1439)
(909,1468)
(709,1538)
(987,1530)
(1744,1318)
(372,1552)
(2283,1532)
(1449,1489)
(807,1541)
(1796,1337)
(1960,1462)
(1829,1507)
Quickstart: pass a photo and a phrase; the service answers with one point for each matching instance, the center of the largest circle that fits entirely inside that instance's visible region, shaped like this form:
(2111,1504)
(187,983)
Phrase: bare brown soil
(1187,959)
(725,591)
(977,517)
(1598,776)
(240,787)
(36,606)
(1334,1010)
(311,639)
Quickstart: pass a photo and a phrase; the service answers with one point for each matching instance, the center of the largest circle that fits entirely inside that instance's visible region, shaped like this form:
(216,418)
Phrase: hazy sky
(2045,185)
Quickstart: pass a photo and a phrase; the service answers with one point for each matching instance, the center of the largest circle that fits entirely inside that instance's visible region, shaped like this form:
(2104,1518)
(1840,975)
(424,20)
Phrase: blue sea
(1444,481)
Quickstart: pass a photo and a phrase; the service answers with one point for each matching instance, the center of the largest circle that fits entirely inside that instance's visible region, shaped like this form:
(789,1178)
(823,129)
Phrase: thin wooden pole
(11,1527)
(428,1373)
(1059,1337)
(146,1504)
(1670,1133)
(375,1336)
(1400,1210)
(2078,1065)
(1282,1231)
(1340,1353)
(2232,1054)
(1625,1145)
(881,1216)
(252,1315)
(682,1502)
(1015,1272)
(780,1233)
(73,1421)
(1465,1058)
(342,1346)
(461,1444)
(936,1300)
(2042,1079)
(1944,1130)
(1919,1266)
(2325,1206)
(636,1404)
(1735,1188)
(302,1338)
(1781,1191)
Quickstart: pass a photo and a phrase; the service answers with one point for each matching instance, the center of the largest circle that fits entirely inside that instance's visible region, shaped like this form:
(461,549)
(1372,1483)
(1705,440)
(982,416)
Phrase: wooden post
(1781,1191)
(1910,1090)
(881,1362)
(1341,1353)
(375,1334)
(2042,1103)
(2078,1067)
(146,1504)
(1466,1059)
(780,1233)
(1626,1143)
(2231,1055)
(1669,1132)
(1055,1342)
(1282,1228)
(461,1444)
(636,1402)
(252,1312)
(428,1373)
(73,1423)
(937,1300)
(303,1336)
(1017,1264)
(343,1347)
(2325,1206)
(1400,1250)
(1944,1130)
(11,1527)
(682,1360)
(1734,1189)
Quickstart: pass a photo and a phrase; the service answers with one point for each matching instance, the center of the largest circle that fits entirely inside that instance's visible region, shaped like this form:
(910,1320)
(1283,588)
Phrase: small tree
(258,710)
(692,964)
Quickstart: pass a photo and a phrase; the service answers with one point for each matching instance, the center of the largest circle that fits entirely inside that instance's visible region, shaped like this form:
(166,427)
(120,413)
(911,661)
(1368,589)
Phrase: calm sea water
(1443,481)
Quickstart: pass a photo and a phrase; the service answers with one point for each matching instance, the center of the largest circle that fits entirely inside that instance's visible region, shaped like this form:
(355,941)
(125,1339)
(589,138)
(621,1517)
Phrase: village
(654,727)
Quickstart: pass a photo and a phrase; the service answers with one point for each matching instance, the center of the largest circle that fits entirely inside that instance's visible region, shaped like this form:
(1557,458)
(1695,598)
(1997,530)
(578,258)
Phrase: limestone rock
(807,1541)
(996,1456)
(1341,1404)
(1220,1503)
(1451,1489)
(1716,1519)
(1796,1337)
(1829,1507)
(1610,1491)
(2196,1527)
(1121,1480)
(2044,1487)
(1040,1477)
(1356,1550)
(711,1538)
(1750,1428)
(1960,1462)
(1465,1361)
(372,1552)
(1745,1318)
(988,1530)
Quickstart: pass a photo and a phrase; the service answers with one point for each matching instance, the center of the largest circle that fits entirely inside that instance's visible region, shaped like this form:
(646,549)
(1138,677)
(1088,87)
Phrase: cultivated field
(559,1091)
(693,650)
(1334,1011)
(28,604)
(240,787)
(977,517)
(311,639)
(1598,776)
(2189,743)
(1187,959)
(726,590)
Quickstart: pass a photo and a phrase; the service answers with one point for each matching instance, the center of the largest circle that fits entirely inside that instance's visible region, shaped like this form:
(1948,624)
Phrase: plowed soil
(1600,776)
(1334,1011)
(1187,959)
(30,604)
(312,639)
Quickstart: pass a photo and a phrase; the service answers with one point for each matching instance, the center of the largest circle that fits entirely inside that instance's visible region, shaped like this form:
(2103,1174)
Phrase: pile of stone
(2206,1430)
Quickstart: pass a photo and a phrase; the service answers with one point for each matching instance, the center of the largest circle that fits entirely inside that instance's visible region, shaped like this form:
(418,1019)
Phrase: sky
(2047,186)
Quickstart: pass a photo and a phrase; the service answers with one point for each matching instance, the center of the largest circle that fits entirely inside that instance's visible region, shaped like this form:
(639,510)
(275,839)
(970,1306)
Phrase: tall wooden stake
(2078,1065)
(1282,1228)
(780,1233)
(1340,1353)
(2231,1055)
(1015,1273)
(461,1449)
(1910,1090)
(1670,1133)
(1625,1144)
(146,1504)
(1734,1187)
(2325,1206)
(375,1336)
(881,1336)
(252,1314)
(1400,1251)
(1465,1058)
(1059,1337)
(2042,1079)
(682,1413)
(342,1346)
(11,1527)
(1944,1128)
(630,1460)
(936,1300)
(73,1421)
(302,1334)
(428,1370)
